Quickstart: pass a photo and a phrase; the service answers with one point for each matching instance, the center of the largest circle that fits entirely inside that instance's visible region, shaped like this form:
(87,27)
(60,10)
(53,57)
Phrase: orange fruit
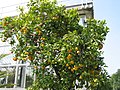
(15,58)
(24,59)
(54,18)
(42,38)
(69,67)
(43,68)
(30,58)
(25,31)
(69,51)
(78,52)
(37,29)
(75,68)
(72,70)
(67,64)
(27,53)
(39,32)
(4,24)
(71,62)
(80,77)
(69,56)
(35,67)
(42,44)
(80,65)
(76,48)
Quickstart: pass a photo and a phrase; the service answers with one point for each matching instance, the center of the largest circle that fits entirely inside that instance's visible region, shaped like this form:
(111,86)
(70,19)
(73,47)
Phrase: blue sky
(104,10)
(109,10)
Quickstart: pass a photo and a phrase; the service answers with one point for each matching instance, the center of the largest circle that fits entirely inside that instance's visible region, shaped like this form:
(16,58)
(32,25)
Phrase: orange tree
(65,54)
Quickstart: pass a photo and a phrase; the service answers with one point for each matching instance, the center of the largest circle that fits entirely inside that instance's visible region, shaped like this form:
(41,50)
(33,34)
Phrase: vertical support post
(23,79)
(6,80)
(16,75)
(34,76)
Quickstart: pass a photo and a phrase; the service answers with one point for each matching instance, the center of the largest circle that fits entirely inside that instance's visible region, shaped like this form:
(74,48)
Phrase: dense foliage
(115,80)
(62,51)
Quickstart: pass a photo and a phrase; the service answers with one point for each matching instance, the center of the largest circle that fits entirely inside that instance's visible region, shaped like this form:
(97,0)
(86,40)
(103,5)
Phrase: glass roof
(7,60)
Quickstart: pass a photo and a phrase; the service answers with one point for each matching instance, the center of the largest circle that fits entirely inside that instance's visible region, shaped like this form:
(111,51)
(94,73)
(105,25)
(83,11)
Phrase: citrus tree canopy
(64,53)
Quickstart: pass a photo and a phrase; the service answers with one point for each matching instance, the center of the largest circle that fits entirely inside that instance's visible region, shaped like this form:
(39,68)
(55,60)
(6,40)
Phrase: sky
(103,10)
(109,10)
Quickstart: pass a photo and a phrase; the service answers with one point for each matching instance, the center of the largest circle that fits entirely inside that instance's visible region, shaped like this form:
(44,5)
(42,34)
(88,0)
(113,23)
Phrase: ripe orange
(4,24)
(27,53)
(69,56)
(72,70)
(42,44)
(15,58)
(39,32)
(37,29)
(76,48)
(71,62)
(78,52)
(30,58)
(80,77)
(24,59)
(67,65)
(42,38)
(75,68)
(24,30)
(69,51)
